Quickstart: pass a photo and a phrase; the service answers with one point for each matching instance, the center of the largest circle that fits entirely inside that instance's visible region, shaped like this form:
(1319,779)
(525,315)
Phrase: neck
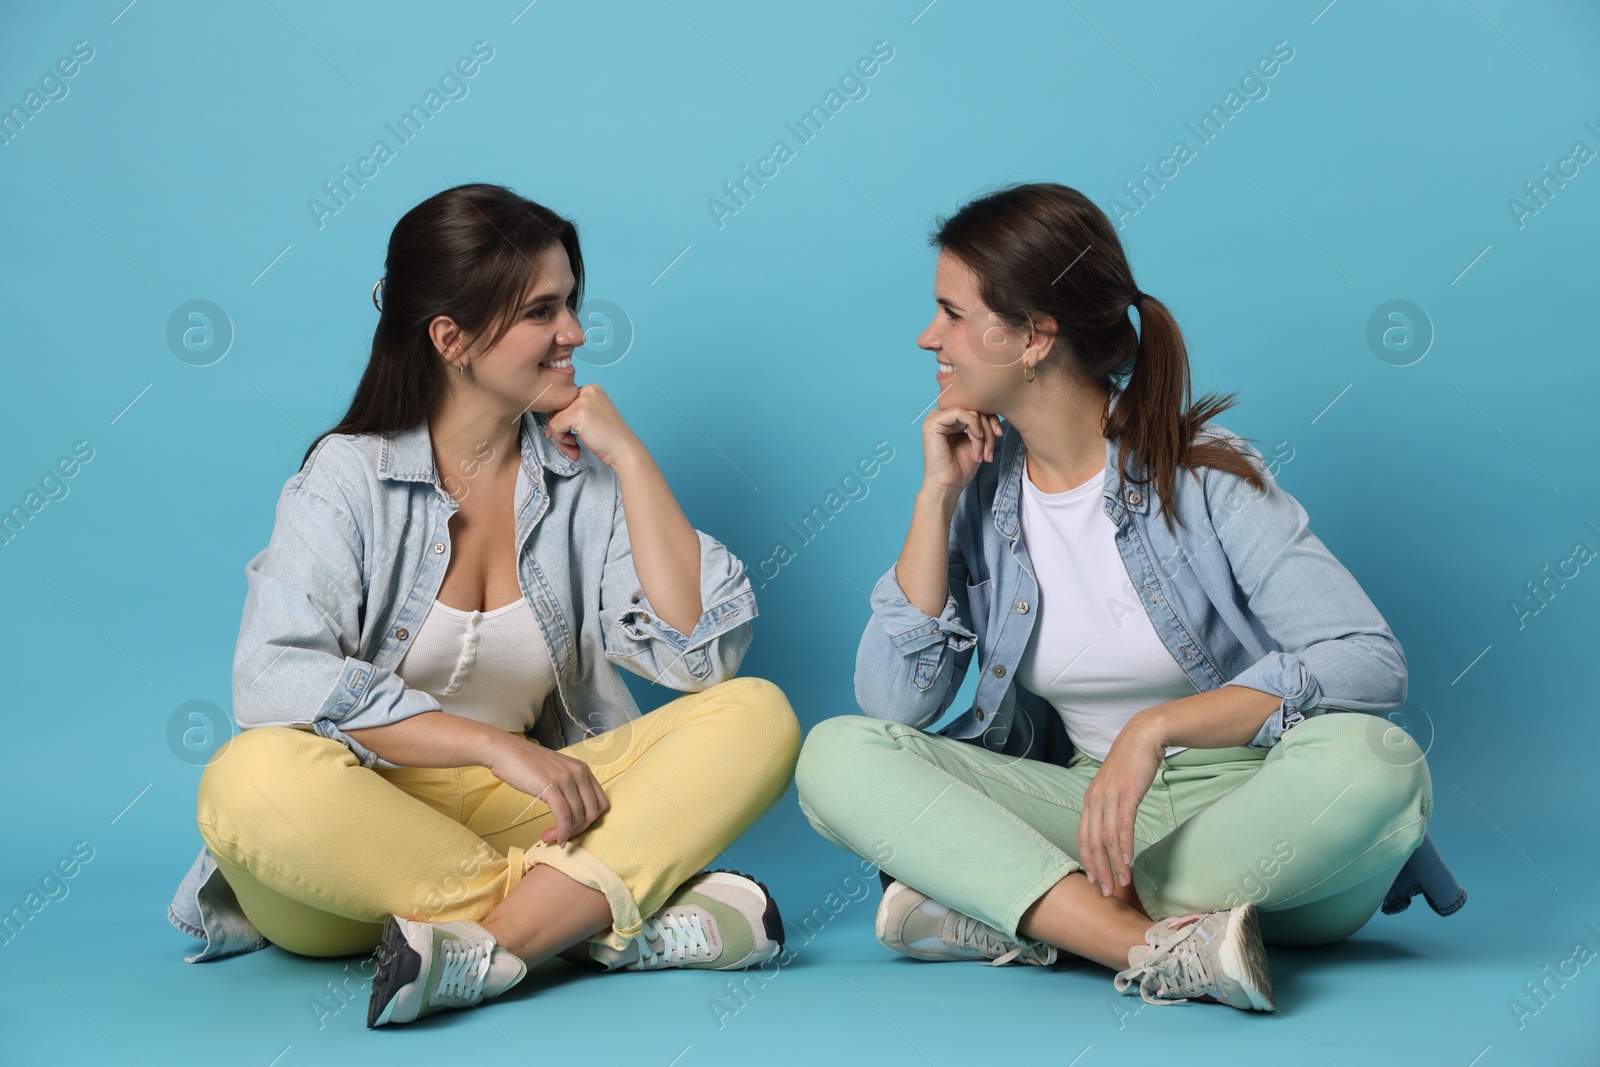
(470,440)
(1061,424)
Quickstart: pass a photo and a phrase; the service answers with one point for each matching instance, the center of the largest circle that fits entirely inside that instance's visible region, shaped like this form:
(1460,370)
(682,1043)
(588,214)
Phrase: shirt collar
(408,454)
(1118,499)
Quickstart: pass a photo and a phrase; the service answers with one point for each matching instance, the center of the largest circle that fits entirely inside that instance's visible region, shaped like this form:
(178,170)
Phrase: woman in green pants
(1148,777)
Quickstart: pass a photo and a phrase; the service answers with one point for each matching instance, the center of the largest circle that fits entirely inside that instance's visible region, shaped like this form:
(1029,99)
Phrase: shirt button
(402,634)
(980,714)
(1134,498)
(999,670)
(438,546)
(1022,607)
(643,617)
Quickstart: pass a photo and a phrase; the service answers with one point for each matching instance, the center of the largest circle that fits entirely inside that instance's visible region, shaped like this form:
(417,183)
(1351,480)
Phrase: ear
(1044,338)
(445,334)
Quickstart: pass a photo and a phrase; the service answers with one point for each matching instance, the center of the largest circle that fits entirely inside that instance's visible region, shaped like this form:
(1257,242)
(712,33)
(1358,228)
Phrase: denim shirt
(1242,593)
(358,552)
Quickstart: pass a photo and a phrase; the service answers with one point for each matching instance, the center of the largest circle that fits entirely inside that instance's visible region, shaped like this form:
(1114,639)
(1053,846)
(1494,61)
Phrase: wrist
(498,746)
(942,497)
(631,459)
(1153,726)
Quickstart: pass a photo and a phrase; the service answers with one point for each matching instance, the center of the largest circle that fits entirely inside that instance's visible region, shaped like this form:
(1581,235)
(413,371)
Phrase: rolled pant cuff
(1014,914)
(585,868)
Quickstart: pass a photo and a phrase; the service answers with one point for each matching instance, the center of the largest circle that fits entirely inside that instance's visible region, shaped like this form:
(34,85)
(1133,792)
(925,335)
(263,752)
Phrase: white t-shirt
(490,666)
(1093,653)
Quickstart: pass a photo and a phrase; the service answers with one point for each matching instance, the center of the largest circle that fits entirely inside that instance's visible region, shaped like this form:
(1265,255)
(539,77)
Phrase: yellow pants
(319,849)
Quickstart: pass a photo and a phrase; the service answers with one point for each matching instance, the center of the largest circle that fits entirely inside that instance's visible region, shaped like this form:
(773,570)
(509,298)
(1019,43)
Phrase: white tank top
(489,666)
(1093,653)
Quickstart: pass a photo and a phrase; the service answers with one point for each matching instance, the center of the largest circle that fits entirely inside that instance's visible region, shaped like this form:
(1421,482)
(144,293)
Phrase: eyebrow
(542,298)
(946,303)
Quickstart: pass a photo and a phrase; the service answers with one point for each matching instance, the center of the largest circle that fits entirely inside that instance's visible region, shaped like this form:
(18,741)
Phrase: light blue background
(771,356)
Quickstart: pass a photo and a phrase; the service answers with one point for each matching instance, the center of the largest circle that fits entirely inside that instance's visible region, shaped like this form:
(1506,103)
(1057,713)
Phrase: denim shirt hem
(206,909)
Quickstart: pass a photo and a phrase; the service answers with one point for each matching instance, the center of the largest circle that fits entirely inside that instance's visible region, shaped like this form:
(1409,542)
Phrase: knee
(230,784)
(1378,758)
(768,720)
(832,755)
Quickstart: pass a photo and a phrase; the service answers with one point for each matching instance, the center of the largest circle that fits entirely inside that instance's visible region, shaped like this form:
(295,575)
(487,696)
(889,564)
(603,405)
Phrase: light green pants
(1314,830)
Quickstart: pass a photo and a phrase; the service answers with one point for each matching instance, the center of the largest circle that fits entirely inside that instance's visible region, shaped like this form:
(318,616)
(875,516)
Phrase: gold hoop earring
(1027,371)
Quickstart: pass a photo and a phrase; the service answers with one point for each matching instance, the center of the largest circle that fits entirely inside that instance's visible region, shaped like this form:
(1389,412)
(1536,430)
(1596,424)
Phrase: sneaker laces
(681,936)
(464,966)
(1175,964)
(979,936)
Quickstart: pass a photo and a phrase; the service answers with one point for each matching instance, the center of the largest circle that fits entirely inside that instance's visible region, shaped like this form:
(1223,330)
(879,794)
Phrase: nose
(572,334)
(930,339)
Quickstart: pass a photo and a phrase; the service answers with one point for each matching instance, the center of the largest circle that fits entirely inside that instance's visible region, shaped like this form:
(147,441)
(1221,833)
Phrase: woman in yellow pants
(319,849)
(439,757)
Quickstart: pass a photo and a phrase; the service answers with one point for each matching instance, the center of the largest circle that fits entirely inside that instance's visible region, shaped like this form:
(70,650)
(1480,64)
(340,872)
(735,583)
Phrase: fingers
(1122,852)
(983,442)
(594,801)
(557,803)
(1105,841)
(578,806)
(1102,841)
(978,438)
(1109,835)
(575,799)
(1089,847)
(948,427)
(600,793)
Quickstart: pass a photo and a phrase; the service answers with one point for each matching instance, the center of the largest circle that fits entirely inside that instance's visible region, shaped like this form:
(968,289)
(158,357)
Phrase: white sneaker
(718,920)
(914,924)
(427,967)
(1216,956)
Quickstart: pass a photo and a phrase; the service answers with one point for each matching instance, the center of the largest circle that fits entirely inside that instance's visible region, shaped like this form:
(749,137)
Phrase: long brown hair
(1044,249)
(468,253)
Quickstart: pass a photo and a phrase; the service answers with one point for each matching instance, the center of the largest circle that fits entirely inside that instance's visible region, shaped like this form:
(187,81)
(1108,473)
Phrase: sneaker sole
(771,921)
(398,965)
(1244,957)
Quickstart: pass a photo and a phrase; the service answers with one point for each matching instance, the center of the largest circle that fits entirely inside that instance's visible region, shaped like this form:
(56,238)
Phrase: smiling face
(979,359)
(530,367)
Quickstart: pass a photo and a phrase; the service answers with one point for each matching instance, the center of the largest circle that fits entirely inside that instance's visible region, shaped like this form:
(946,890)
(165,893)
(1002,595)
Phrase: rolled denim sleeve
(639,640)
(1334,651)
(295,663)
(909,664)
